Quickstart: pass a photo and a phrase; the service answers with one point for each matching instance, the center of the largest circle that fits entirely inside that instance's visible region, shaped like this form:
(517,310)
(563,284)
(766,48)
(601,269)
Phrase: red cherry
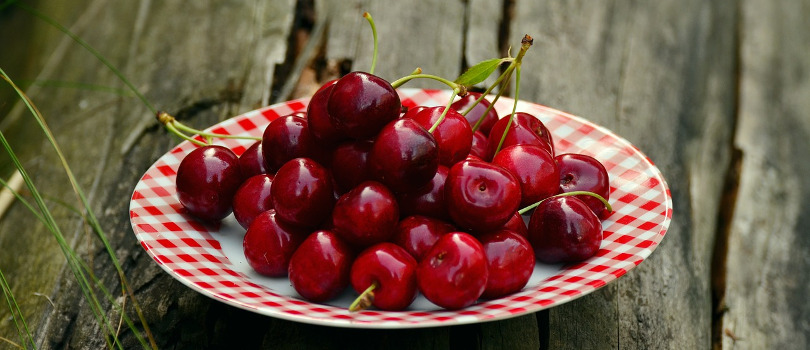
(393,272)
(525,130)
(564,229)
(287,138)
(477,112)
(453,135)
(428,200)
(453,274)
(535,170)
(413,111)
(320,124)
(350,164)
(404,156)
(479,146)
(517,224)
(579,172)
(482,197)
(207,179)
(252,162)
(302,193)
(366,215)
(319,268)
(252,198)
(510,262)
(361,104)
(269,244)
(417,234)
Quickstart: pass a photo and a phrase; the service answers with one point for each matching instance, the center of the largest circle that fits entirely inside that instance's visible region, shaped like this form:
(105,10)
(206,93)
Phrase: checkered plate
(209,259)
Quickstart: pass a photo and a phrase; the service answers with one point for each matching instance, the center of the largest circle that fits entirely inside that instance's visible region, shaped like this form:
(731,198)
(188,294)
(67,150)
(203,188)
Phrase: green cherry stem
(370,20)
(514,109)
(444,112)
(167,121)
(182,131)
(488,90)
(399,82)
(503,79)
(184,128)
(572,193)
(364,300)
(525,44)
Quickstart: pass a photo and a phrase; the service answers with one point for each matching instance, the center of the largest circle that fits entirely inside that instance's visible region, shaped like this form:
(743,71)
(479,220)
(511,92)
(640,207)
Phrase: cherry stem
(444,112)
(566,194)
(399,82)
(503,80)
(182,127)
(514,108)
(181,130)
(525,44)
(370,20)
(364,300)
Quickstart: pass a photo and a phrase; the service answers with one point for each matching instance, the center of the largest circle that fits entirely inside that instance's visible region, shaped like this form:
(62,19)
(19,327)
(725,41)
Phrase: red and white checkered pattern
(192,253)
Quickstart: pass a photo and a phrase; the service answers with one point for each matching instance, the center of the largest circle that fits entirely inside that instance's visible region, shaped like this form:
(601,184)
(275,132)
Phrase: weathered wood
(673,77)
(768,266)
(659,74)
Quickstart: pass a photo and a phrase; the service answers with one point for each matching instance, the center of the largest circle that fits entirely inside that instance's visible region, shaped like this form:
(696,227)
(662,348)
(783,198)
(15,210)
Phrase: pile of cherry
(360,191)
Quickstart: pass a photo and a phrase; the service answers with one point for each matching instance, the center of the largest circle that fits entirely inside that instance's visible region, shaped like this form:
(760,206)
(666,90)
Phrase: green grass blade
(16,314)
(90,217)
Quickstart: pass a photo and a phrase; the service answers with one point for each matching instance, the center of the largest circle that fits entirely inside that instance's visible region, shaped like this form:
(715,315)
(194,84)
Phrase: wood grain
(768,242)
(691,83)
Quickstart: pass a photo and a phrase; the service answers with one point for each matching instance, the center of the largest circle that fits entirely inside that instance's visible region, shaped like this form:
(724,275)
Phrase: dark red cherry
(510,262)
(417,234)
(303,193)
(534,169)
(453,135)
(564,229)
(524,130)
(517,224)
(252,162)
(393,272)
(481,196)
(404,156)
(319,268)
(288,137)
(319,122)
(366,215)
(479,145)
(269,244)
(428,200)
(580,172)
(350,164)
(252,198)
(477,112)
(207,179)
(413,111)
(453,274)
(361,104)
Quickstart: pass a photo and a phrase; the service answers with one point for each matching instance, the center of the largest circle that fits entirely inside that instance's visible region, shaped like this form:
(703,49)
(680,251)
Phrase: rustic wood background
(716,93)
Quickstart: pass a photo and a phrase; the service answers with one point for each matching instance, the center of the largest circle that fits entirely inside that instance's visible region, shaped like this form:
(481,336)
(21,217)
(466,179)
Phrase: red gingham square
(195,254)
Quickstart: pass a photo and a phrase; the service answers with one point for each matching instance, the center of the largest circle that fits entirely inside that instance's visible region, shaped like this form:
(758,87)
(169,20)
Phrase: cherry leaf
(479,72)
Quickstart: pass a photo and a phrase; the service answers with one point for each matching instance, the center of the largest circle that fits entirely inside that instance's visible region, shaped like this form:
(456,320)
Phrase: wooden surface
(716,93)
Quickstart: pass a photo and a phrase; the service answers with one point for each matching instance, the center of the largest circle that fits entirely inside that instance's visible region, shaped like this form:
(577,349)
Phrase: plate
(209,259)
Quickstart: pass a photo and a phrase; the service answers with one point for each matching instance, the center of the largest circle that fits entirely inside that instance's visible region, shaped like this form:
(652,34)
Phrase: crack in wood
(728,200)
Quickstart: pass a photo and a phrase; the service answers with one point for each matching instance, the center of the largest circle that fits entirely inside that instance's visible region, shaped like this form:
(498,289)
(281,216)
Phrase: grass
(95,293)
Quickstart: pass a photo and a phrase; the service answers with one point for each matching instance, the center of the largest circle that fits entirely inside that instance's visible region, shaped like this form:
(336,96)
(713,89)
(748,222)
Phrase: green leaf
(479,72)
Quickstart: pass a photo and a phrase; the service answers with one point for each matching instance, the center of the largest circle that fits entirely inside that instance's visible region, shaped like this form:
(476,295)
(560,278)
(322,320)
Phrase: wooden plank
(659,74)
(767,263)
(188,59)
(428,35)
